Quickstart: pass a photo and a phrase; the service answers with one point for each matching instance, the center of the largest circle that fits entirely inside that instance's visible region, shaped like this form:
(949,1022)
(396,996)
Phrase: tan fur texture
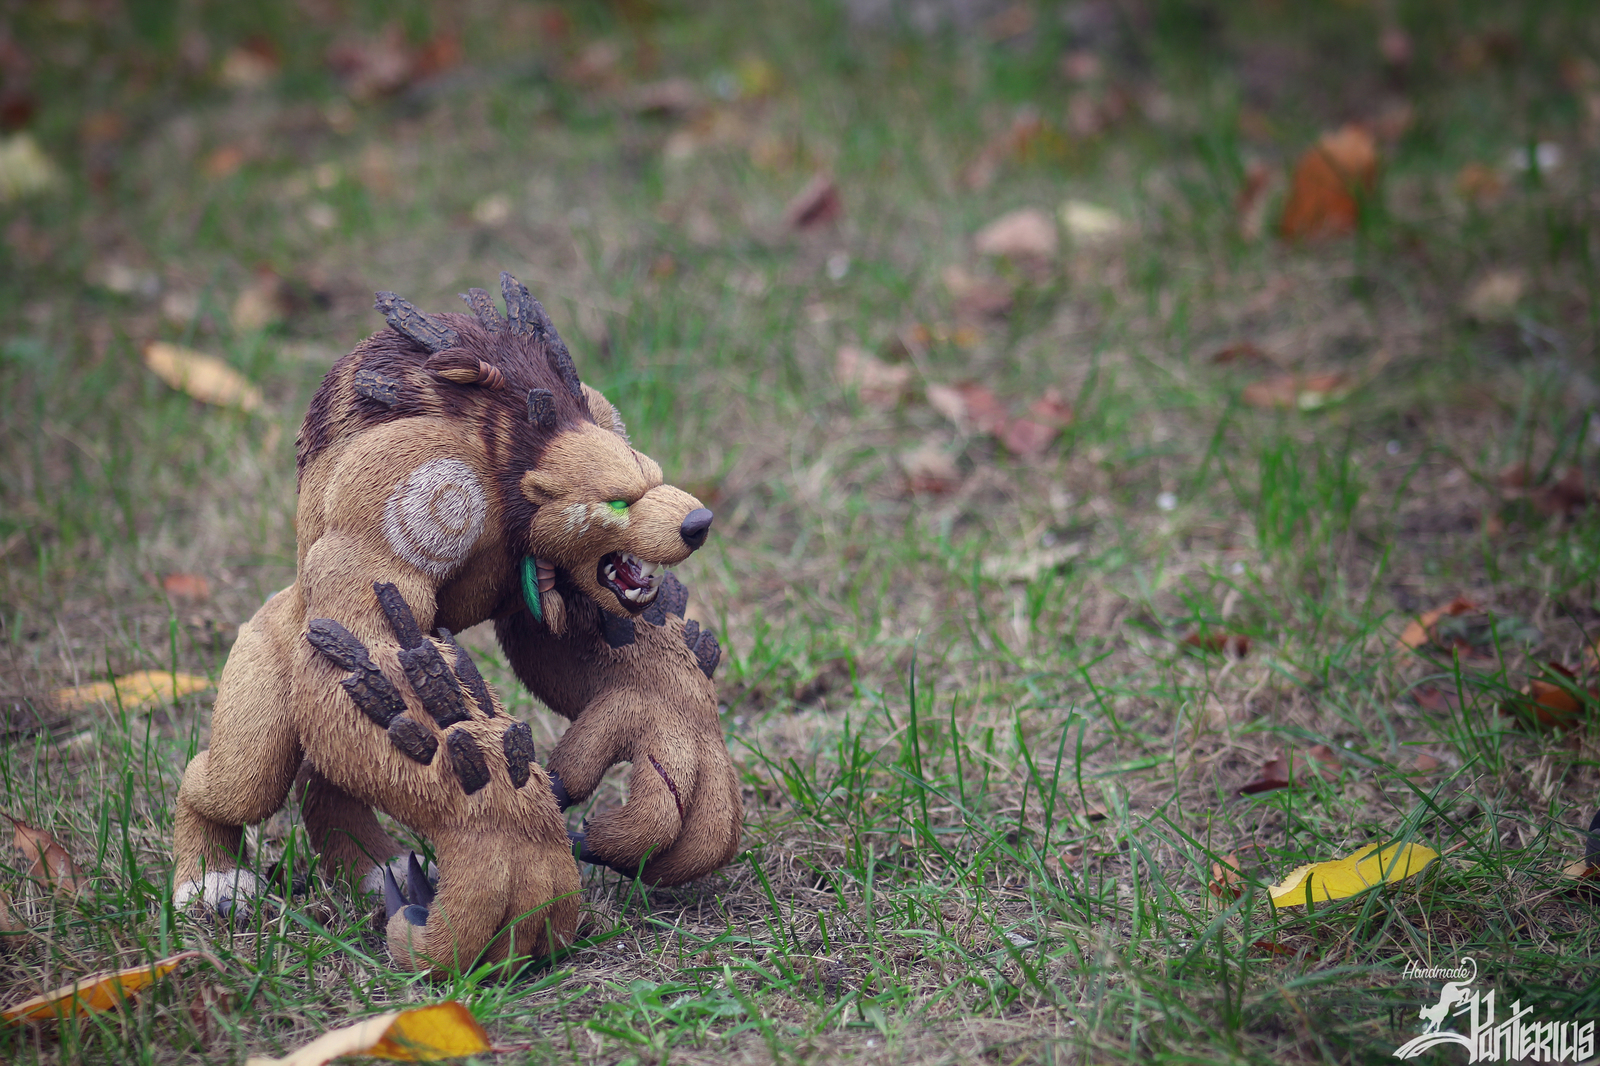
(438,462)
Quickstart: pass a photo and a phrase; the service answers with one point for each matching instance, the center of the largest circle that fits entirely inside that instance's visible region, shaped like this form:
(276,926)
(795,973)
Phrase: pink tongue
(628,575)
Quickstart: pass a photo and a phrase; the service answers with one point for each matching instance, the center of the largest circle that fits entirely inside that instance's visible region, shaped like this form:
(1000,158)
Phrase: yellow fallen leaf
(424,1034)
(205,377)
(99,991)
(24,168)
(146,686)
(1340,878)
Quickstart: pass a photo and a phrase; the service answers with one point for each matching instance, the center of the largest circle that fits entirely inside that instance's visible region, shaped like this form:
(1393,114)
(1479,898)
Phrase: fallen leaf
(1284,770)
(1425,763)
(1026,126)
(189,588)
(225,161)
(974,296)
(1013,21)
(1249,206)
(260,303)
(1306,392)
(1051,409)
(815,205)
(972,407)
(24,168)
(96,992)
(671,97)
(1327,180)
(1481,184)
(1027,234)
(373,66)
(205,377)
(1026,566)
(1549,704)
(930,470)
(492,210)
(1416,633)
(251,65)
(1088,223)
(1235,644)
(1225,877)
(136,689)
(1027,438)
(1433,698)
(1494,297)
(51,864)
(756,77)
(11,922)
(1341,878)
(423,1034)
(1566,496)
(1240,352)
(879,384)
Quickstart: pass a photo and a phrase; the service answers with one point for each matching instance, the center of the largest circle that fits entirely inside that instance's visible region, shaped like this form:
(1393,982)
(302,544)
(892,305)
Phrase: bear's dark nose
(695,527)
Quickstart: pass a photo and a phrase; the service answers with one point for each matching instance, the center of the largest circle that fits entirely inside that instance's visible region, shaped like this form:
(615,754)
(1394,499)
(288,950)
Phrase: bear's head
(581,509)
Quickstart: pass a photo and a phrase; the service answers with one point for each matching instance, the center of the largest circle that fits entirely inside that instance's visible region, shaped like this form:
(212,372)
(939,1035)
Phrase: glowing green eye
(619,505)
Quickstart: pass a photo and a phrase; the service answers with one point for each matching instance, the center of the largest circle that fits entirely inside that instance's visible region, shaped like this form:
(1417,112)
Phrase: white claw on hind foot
(215,888)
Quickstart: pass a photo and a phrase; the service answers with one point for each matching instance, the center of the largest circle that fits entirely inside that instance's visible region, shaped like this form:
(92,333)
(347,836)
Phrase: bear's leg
(246,773)
(345,832)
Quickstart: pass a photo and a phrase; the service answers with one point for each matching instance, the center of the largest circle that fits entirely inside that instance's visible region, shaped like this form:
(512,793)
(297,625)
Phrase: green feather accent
(530,588)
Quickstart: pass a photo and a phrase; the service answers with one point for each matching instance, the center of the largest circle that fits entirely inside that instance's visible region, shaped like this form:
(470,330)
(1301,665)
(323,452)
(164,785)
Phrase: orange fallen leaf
(51,865)
(974,296)
(1025,128)
(1425,763)
(189,588)
(879,384)
(96,992)
(1225,877)
(1027,438)
(1284,770)
(1327,179)
(1481,184)
(225,161)
(1235,644)
(1588,867)
(815,205)
(1249,206)
(1304,391)
(250,65)
(134,690)
(1240,352)
(1051,409)
(1272,947)
(424,1034)
(1550,705)
(971,406)
(205,377)
(1416,633)
(1563,497)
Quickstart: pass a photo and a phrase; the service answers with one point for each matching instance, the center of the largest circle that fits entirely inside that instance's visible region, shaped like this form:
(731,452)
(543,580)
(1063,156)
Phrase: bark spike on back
(484,308)
(528,319)
(404,318)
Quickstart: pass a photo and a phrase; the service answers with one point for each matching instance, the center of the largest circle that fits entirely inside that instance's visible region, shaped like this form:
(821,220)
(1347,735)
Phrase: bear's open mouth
(633,580)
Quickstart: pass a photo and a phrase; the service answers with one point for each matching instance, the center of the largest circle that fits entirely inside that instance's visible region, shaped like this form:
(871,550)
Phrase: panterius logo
(1512,1039)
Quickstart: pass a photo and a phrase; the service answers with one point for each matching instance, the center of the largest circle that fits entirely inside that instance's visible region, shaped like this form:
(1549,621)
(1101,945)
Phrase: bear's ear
(605,416)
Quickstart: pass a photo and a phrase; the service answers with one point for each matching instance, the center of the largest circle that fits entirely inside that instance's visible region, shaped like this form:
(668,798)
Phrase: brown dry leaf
(225,161)
(1425,763)
(930,470)
(1250,205)
(814,206)
(373,66)
(1284,770)
(1433,698)
(51,865)
(1225,877)
(423,1034)
(1552,706)
(1026,127)
(1027,438)
(670,97)
(1481,184)
(1051,409)
(1306,392)
(1564,497)
(1329,176)
(1235,644)
(96,992)
(1087,223)
(11,922)
(1494,297)
(1026,234)
(879,384)
(260,304)
(972,407)
(205,377)
(136,689)
(974,296)
(1013,21)
(1272,947)
(1240,352)
(1588,867)
(1417,632)
(189,588)
(251,65)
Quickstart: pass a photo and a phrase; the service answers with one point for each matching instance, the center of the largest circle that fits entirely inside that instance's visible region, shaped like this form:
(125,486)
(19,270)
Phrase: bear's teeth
(646,569)
(611,572)
(632,594)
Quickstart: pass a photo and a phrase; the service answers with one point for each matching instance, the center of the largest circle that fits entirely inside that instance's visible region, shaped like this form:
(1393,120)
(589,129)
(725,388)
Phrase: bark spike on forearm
(372,693)
(398,611)
(404,318)
(518,744)
(435,685)
(414,739)
(707,652)
(484,308)
(467,760)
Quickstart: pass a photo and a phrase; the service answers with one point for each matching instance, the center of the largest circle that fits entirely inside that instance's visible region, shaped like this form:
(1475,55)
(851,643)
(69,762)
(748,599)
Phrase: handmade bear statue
(453,469)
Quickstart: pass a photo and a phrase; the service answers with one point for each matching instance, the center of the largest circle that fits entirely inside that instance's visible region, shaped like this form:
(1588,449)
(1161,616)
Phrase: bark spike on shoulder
(525,315)
(707,652)
(380,388)
(484,308)
(403,316)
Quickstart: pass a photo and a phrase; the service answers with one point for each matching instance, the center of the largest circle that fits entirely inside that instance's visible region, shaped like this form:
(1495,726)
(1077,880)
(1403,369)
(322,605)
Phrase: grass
(985,779)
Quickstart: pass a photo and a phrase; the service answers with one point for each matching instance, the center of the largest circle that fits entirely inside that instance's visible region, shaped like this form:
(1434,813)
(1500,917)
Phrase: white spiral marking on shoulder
(435,516)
